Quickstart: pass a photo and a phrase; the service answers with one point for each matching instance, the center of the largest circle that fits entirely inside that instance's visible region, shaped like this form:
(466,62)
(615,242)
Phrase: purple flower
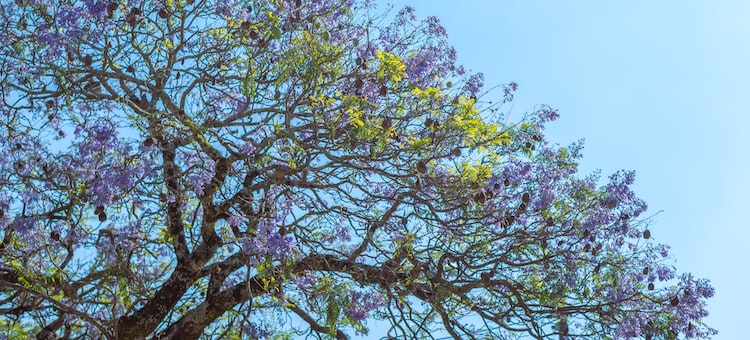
(474,84)
(235,220)
(362,304)
(435,28)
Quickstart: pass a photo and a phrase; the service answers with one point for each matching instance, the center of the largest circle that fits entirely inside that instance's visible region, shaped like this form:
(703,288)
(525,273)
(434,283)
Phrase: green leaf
(276,32)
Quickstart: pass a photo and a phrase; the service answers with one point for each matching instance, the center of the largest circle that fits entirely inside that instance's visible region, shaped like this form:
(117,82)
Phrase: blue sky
(659,87)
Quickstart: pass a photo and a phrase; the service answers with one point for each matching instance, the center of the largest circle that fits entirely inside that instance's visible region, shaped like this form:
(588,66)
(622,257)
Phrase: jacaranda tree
(185,169)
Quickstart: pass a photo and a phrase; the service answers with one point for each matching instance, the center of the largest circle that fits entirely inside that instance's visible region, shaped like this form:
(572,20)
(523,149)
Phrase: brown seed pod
(358,61)
(428,123)
(99,209)
(479,197)
(54,235)
(646,234)
(163,13)
(359,83)
(111,8)
(87,60)
(253,35)
(421,167)
(130,69)
(277,95)
(650,286)
(102,217)
(457,152)
(387,123)
(645,271)
(587,247)
(525,198)
(383,91)
(130,19)
(148,142)
(674,302)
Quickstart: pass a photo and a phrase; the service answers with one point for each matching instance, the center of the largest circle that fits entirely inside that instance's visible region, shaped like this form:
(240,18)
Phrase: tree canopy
(278,169)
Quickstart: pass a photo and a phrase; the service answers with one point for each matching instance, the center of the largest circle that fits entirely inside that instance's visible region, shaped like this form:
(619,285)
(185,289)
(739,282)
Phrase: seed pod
(421,167)
(645,271)
(383,91)
(457,152)
(525,198)
(277,95)
(674,302)
(479,197)
(387,123)
(650,286)
(87,60)
(102,217)
(130,19)
(646,234)
(163,13)
(148,142)
(111,8)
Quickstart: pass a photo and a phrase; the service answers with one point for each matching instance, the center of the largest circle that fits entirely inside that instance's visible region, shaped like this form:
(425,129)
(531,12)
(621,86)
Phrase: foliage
(268,169)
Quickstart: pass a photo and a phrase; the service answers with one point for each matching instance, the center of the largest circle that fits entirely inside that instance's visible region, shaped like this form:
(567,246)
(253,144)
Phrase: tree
(270,169)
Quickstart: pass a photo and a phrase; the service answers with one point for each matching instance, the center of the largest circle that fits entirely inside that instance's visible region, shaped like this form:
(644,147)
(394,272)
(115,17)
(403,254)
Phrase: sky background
(659,87)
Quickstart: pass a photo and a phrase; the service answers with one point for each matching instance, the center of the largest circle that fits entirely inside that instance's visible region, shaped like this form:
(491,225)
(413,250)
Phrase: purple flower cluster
(362,303)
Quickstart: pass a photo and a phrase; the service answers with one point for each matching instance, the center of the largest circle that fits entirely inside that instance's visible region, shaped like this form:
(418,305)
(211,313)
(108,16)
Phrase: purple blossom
(474,84)
(435,28)
(362,303)
(235,220)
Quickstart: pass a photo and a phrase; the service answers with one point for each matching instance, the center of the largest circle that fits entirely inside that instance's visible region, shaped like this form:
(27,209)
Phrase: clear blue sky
(658,86)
